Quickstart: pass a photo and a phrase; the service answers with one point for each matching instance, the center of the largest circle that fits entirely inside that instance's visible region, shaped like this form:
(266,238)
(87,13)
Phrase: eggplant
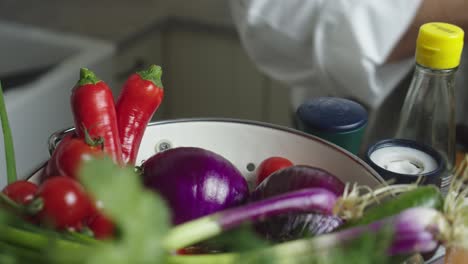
(293,225)
(194,182)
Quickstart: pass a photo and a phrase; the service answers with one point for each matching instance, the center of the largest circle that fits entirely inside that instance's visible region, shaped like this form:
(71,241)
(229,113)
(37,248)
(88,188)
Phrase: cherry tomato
(101,226)
(69,155)
(21,192)
(270,165)
(65,202)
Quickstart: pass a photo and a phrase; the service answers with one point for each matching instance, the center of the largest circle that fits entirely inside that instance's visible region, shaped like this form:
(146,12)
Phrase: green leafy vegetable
(140,215)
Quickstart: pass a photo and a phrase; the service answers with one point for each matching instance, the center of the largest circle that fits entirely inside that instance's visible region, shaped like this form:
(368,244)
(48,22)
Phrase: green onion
(8,140)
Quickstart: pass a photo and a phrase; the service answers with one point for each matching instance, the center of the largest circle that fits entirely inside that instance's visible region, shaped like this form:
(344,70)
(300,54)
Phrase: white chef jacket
(334,48)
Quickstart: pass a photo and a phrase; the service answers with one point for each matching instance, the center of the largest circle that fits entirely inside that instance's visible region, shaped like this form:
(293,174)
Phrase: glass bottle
(428,112)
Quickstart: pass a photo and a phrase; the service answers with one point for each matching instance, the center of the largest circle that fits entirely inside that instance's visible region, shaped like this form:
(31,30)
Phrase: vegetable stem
(306,200)
(192,232)
(21,255)
(153,74)
(37,241)
(225,258)
(12,204)
(8,140)
(404,234)
(87,77)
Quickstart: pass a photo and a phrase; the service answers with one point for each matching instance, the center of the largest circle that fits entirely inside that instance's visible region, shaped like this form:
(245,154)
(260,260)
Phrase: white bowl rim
(58,135)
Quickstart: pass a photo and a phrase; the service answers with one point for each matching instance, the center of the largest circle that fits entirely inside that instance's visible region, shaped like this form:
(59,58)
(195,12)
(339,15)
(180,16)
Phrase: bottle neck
(420,69)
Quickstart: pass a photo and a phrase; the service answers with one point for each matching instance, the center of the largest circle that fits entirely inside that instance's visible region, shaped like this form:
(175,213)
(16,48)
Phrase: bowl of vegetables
(246,144)
(227,160)
(119,189)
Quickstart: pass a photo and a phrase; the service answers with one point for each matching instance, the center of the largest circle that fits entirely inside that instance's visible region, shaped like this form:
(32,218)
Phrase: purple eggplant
(306,200)
(293,225)
(195,182)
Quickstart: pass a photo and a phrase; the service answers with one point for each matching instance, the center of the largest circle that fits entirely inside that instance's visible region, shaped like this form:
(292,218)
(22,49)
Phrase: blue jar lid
(332,114)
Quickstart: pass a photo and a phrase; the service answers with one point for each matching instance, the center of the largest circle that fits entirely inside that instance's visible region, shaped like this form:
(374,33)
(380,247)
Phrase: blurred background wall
(206,70)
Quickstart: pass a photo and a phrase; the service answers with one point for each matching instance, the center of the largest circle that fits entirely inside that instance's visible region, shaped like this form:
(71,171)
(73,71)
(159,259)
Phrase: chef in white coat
(358,49)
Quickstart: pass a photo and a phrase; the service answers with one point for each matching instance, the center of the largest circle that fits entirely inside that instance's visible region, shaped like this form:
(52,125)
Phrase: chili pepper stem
(153,74)
(8,140)
(87,77)
(99,141)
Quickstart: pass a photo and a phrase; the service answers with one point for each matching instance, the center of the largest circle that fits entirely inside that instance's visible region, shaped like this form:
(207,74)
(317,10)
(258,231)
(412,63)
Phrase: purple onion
(293,225)
(195,182)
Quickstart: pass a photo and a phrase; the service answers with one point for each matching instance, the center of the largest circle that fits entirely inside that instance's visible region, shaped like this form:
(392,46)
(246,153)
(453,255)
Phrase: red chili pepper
(141,96)
(93,107)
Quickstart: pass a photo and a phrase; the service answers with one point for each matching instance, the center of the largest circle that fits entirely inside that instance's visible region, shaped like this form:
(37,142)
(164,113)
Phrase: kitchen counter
(113,20)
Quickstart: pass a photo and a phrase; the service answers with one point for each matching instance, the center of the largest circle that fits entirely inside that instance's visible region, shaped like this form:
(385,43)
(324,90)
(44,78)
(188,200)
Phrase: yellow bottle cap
(439,45)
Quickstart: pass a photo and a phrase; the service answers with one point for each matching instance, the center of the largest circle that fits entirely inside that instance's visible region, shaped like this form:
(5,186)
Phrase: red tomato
(65,202)
(69,155)
(270,165)
(21,192)
(101,226)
